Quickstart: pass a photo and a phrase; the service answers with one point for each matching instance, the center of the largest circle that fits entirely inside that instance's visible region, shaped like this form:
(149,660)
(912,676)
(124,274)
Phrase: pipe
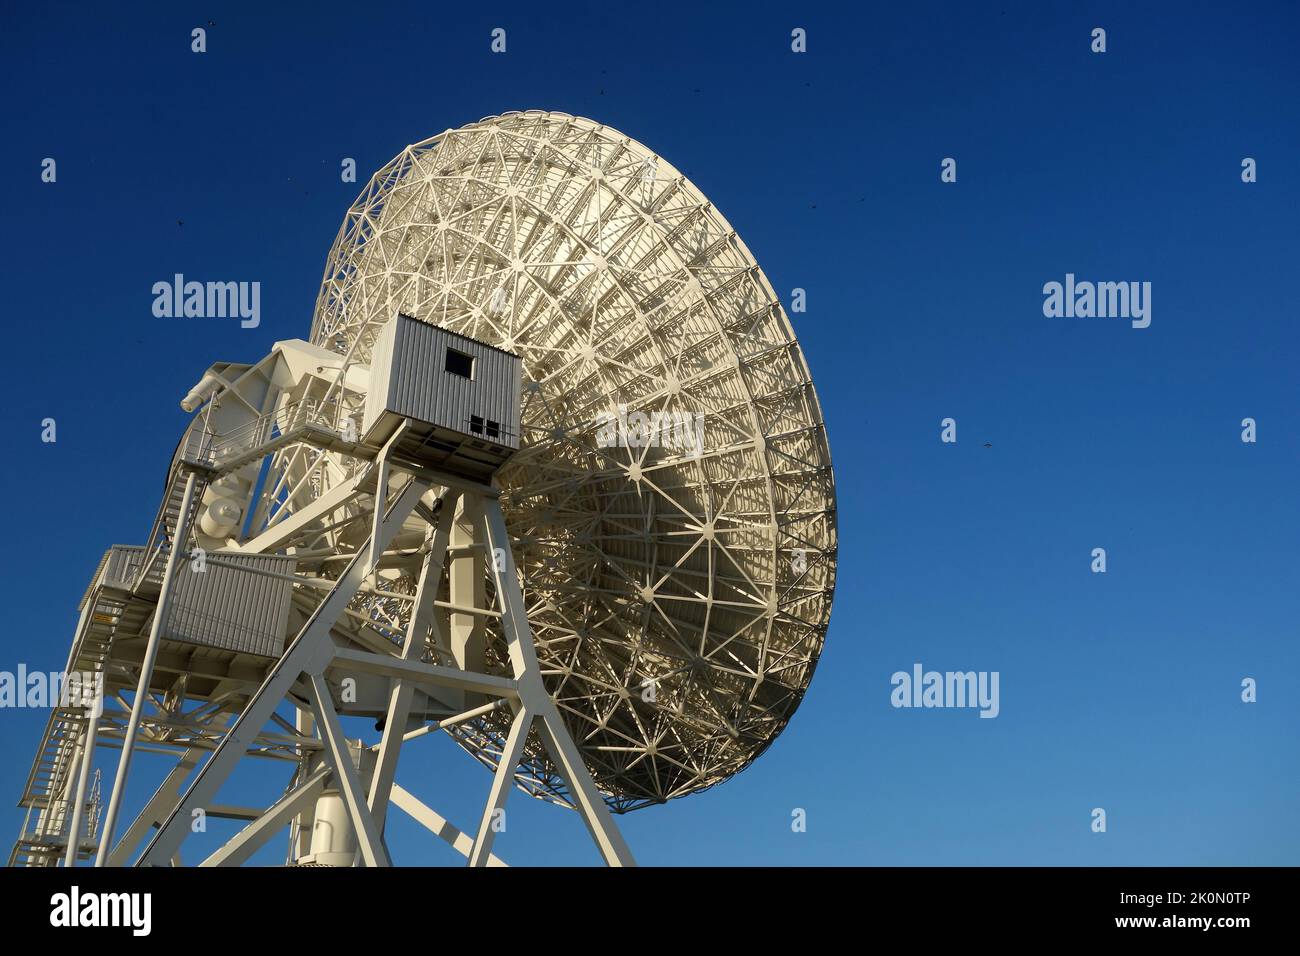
(201,392)
(83,775)
(146,674)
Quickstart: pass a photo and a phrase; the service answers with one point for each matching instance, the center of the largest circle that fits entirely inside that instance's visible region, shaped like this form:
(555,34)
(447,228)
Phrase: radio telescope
(645,568)
(612,593)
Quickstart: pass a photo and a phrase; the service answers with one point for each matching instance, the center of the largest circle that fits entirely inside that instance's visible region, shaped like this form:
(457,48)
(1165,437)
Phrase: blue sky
(1118,690)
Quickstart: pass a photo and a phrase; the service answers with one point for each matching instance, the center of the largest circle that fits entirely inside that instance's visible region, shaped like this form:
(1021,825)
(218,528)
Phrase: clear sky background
(924,301)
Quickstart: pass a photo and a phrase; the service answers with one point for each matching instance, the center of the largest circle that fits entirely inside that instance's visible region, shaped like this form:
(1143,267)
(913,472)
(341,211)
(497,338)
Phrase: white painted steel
(610,622)
(680,600)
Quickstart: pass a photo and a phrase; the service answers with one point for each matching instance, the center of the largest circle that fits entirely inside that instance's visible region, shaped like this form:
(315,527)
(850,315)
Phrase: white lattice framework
(679,595)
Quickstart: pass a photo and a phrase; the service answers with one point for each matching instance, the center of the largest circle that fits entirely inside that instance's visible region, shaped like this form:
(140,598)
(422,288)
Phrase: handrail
(203,447)
(254,432)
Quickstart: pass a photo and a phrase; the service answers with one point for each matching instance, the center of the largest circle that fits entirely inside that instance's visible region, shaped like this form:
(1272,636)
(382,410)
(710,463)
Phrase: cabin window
(458,363)
(493,429)
(476,424)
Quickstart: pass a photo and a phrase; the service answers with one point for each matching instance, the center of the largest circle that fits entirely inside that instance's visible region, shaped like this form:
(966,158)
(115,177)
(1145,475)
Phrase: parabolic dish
(678,577)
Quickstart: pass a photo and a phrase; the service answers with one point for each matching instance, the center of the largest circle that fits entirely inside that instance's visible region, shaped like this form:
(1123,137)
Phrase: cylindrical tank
(333,841)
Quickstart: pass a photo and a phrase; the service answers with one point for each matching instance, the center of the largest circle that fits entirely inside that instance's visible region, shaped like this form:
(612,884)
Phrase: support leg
(437,824)
(83,778)
(399,701)
(523,655)
(340,759)
(591,805)
(248,840)
(146,672)
(502,781)
(310,652)
(160,804)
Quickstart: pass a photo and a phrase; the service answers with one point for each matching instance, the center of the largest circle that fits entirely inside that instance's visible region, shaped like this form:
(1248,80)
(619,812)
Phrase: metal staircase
(193,455)
(49,789)
(108,609)
(122,603)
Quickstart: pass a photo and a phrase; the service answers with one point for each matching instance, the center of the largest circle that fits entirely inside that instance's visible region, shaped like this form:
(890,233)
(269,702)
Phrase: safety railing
(266,428)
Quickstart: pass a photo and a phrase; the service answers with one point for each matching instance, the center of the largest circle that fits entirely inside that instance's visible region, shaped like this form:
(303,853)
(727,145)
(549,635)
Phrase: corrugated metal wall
(381,361)
(233,608)
(122,566)
(410,374)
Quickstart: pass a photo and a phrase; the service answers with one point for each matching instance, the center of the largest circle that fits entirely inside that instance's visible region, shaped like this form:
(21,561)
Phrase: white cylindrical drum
(333,841)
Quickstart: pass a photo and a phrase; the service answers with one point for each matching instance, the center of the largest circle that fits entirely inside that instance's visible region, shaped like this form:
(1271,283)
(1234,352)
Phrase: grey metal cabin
(461,395)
